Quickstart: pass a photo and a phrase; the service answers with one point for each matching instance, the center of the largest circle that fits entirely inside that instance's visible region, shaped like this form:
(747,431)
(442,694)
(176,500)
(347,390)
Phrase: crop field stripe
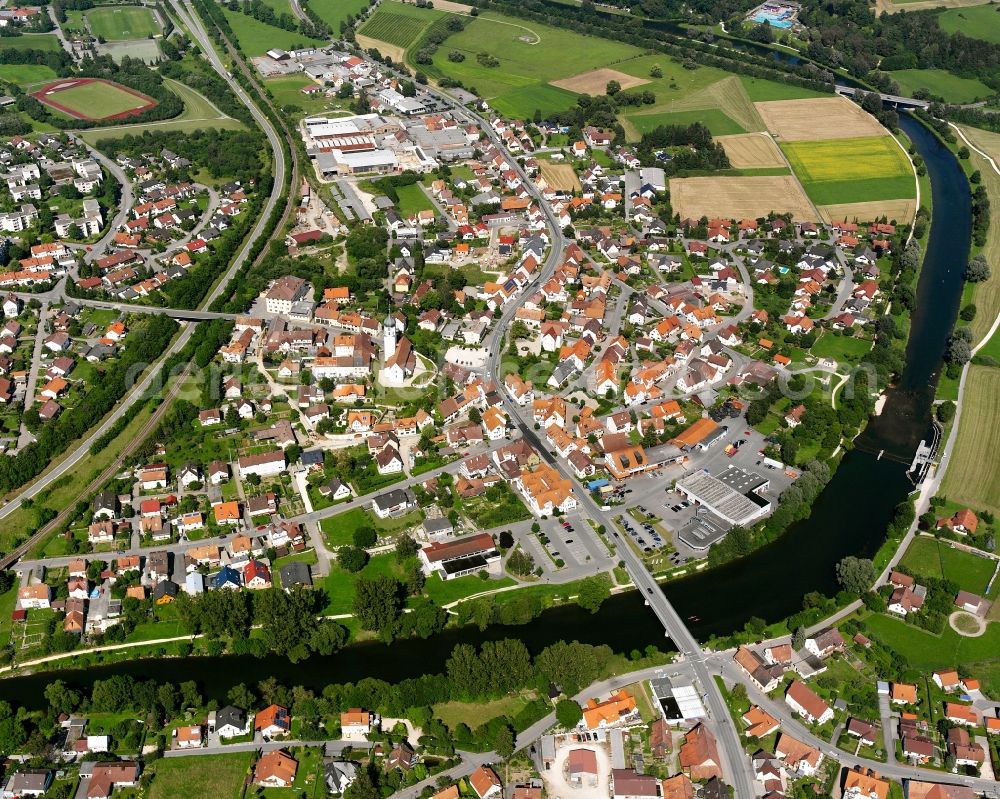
(835,192)
(846,159)
(973,475)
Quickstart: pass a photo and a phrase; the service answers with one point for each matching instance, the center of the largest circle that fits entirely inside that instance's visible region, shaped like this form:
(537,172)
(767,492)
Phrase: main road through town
(736,765)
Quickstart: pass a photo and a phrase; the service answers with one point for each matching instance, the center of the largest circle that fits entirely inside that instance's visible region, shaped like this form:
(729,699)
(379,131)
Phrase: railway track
(62,517)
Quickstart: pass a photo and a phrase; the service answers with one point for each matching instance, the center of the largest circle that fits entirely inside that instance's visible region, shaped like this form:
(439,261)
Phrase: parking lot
(654,491)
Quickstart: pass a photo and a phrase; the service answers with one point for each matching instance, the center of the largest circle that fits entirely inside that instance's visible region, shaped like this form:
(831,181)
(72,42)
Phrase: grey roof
(295,573)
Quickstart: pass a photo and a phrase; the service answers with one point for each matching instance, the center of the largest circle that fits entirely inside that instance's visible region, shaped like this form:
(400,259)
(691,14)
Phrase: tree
(612,88)
(365,785)
(799,637)
(352,559)
(856,575)
(656,71)
(978,269)
(365,536)
(568,713)
(593,591)
(503,742)
(241,696)
(377,602)
(945,412)
(406,548)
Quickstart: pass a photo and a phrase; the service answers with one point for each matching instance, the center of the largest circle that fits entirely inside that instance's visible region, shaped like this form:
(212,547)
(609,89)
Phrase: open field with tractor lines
(973,475)
(818,119)
(894,210)
(739,197)
(751,151)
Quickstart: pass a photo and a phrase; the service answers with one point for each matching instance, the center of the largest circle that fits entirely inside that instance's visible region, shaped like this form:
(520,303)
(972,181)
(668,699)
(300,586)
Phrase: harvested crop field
(817,119)
(894,210)
(739,197)
(596,81)
(973,476)
(88,98)
(751,151)
(560,176)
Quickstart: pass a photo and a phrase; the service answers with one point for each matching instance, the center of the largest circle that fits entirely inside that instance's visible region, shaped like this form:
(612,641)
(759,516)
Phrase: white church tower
(388,337)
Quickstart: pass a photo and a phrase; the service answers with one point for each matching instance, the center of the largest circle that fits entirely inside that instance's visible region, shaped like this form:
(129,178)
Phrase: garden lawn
(933,558)
(444,592)
(475,714)
(26,74)
(218,776)
(339,584)
(979,22)
(973,476)
(256,38)
(339,529)
(941,83)
(412,199)
(843,349)
(121,23)
(926,652)
(851,170)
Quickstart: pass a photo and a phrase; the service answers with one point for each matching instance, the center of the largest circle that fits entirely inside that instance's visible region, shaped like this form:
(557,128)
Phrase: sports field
(198,114)
(121,23)
(973,476)
(941,83)
(987,296)
(738,197)
(979,22)
(87,98)
(752,151)
(31,41)
(851,170)
(818,119)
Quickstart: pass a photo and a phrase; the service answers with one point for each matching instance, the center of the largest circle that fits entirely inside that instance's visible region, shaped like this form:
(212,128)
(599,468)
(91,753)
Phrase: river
(848,518)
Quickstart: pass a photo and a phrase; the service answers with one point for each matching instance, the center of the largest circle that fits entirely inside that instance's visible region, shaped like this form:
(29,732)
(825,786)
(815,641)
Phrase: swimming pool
(775,20)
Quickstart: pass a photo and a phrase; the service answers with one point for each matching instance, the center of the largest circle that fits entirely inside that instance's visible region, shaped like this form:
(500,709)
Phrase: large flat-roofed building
(469,555)
(720,497)
(339,162)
